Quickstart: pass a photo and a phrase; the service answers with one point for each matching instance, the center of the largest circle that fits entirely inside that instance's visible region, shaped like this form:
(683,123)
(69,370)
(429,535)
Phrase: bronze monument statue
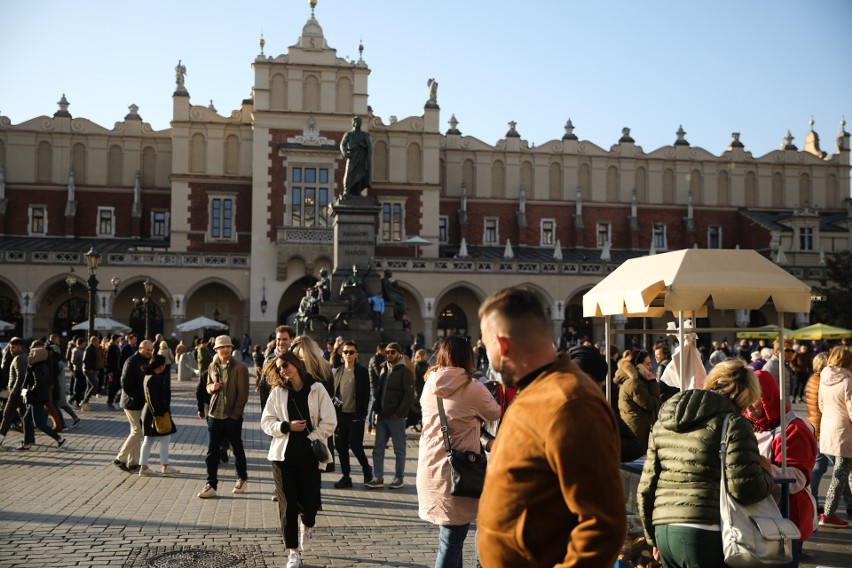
(358,150)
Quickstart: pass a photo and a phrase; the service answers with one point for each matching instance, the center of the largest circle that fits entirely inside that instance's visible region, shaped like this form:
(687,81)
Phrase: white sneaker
(295,560)
(305,538)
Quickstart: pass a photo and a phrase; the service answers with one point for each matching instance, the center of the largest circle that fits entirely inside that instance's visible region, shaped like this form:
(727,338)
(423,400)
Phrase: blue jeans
(820,467)
(37,416)
(451,546)
(393,428)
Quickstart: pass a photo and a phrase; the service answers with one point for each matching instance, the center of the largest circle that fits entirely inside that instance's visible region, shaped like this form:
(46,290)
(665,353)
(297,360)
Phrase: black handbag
(467,468)
(319,449)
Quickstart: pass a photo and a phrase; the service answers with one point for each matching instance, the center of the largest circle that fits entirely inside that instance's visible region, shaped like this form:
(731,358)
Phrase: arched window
(414,163)
(311,94)
(668,187)
(149,167)
(69,313)
(232,155)
(723,188)
(498,179)
(115,165)
(137,319)
(469,177)
(380,161)
(612,184)
(555,181)
(344,102)
(197,153)
(278,95)
(43,163)
(78,163)
(452,321)
(804,191)
(777,189)
(640,182)
(585,180)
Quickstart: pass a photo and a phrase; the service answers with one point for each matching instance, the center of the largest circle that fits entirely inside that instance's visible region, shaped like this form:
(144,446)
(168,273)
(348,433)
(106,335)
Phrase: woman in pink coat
(835,403)
(467,404)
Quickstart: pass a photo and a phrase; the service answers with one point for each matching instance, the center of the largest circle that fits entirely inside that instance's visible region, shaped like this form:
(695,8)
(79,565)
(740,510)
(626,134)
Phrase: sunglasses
(348,352)
(789,350)
(390,351)
(283,366)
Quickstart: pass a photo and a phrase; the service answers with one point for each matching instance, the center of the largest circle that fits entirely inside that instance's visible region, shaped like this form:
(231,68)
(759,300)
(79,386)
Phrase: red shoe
(833,521)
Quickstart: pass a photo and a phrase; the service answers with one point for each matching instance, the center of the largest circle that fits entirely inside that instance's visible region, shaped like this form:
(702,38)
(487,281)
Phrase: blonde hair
(840,356)
(819,362)
(421,355)
(736,381)
(315,365)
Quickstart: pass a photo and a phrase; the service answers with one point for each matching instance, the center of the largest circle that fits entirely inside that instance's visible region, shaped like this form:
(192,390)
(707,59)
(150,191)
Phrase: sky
(716,67)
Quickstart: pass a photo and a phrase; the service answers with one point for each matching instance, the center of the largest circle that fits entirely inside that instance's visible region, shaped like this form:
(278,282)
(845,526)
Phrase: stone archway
(458,305)
(10,311)
(216,300)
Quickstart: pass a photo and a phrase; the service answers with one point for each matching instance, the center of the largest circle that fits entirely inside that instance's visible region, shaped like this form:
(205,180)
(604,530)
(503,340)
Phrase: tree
(837,289)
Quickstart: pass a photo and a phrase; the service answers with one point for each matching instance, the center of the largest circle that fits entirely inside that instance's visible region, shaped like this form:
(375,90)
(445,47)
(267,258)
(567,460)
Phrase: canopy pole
(680,336)
(782,371)
(608,360)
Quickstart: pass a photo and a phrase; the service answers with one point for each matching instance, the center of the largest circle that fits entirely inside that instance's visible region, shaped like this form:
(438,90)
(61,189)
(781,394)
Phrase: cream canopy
(684,281)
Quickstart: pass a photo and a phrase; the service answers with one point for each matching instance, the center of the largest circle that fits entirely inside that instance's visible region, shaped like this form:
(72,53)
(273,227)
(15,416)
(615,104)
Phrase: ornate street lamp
(93,259)
(149,287)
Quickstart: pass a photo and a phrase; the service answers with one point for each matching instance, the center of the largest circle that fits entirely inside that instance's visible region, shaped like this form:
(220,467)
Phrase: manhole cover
(195,558)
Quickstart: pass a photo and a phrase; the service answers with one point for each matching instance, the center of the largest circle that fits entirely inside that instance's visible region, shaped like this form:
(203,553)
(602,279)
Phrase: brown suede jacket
(553,494)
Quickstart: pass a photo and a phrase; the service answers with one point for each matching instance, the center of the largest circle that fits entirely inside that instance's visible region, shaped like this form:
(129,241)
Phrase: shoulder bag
(468,468)
(163,422)
(756,534)
(319,449)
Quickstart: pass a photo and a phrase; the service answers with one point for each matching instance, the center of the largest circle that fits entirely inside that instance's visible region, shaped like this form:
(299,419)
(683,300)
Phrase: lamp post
(93,260)
(149,287)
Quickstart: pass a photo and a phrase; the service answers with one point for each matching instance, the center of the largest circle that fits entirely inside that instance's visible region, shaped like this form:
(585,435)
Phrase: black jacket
(132,377)
(396,392)
(362,389)
(158,396)
(113,359)
(90,358)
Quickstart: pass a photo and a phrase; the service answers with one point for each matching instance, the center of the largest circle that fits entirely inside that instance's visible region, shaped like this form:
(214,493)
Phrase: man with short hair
(90,370)
(15,359)
(394,397)
(284,335)
(128,348)
(377,362)
(228,386)
(553,493)
(133,401)
(351,397)
(113,370)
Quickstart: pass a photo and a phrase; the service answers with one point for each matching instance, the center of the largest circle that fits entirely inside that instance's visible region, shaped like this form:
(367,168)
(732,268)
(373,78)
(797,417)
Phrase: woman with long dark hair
(297,414)
(467,405)
(158,397)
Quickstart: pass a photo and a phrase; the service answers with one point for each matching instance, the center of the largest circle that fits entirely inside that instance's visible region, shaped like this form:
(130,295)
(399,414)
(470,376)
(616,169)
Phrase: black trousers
(349,434)
(219,431)
(298,490)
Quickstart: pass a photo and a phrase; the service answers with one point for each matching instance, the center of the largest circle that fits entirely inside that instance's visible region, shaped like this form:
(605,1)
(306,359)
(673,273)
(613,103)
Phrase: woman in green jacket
(679,488)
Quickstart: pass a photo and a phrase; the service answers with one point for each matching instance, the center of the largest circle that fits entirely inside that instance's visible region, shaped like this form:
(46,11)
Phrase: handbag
(467,468)
(756,534)
(162,423)
(319,449)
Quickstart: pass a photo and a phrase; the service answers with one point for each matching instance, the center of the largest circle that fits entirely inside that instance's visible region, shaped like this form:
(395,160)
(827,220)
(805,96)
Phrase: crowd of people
(536,408)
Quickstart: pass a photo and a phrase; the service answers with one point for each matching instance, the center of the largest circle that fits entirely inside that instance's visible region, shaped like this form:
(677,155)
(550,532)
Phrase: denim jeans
(36,415)
(451,546)
(393,428)
(820,467)
(219,430)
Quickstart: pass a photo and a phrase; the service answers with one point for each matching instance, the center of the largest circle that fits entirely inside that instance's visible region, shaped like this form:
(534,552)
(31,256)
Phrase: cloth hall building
(228,214)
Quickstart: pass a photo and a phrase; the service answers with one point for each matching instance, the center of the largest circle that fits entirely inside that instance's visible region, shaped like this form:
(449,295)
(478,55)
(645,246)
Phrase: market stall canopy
(819,331)
(103,324)
(200,322)
(684,280)
(764,332)
(6,325)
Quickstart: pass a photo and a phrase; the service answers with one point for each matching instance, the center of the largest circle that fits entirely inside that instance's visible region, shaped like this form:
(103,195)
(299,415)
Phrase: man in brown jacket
(228,386)
(553,493)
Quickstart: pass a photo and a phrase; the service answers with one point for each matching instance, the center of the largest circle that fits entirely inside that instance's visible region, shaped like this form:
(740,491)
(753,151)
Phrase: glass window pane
(322,207)
(310,175)
(296,209)
(310,207)
(297,175)
(323,175)
(228,217)
(216,218)
(386,222)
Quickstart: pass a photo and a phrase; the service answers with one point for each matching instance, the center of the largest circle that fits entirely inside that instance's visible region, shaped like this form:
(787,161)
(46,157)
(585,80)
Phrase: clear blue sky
(757,67)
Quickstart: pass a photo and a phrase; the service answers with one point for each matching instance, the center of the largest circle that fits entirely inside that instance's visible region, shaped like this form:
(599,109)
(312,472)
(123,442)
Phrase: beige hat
(223,341)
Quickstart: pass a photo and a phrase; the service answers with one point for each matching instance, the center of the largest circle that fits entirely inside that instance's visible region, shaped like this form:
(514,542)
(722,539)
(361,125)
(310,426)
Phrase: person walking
(158,397)
(638,394)
(299,413)
(835,403)
(678,492)
(13,412)
(133,401)
(37,381)
(351,396)
(228,386)
(553,492)
(393,400)
(467,405)
(166,353)
(113,370)
(90,371)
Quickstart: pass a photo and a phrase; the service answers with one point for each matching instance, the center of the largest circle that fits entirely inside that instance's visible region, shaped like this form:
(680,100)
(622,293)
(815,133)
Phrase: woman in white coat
(835,403)
(297,413)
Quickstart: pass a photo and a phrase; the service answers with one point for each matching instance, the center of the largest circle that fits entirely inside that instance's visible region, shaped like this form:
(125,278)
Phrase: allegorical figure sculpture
(322,289)
(180,72)
(356,146)
(393,295)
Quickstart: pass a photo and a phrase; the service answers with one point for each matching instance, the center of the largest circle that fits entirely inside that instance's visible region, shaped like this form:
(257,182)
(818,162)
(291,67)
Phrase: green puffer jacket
(680,480)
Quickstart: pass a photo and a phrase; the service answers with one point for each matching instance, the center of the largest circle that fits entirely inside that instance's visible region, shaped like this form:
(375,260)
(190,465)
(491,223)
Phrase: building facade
(228,215)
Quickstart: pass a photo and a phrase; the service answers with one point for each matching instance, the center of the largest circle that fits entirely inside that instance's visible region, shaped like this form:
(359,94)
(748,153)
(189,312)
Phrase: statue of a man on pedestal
(358,150)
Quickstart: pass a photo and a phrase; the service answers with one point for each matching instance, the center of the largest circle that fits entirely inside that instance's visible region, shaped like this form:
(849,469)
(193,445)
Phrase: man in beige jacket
(228,386)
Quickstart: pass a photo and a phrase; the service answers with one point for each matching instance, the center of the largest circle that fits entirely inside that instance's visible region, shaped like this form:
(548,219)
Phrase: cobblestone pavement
(71,507)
